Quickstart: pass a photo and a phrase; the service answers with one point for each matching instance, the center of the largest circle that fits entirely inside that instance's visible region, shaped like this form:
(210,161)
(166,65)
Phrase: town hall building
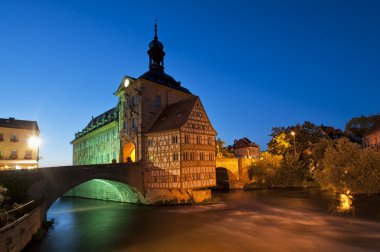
(156,122)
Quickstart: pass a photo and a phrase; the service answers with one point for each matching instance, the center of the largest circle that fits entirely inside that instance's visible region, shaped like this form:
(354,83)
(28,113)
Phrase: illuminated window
(192,155)
(174,139)
(157,101)
(187,139)
(28,154)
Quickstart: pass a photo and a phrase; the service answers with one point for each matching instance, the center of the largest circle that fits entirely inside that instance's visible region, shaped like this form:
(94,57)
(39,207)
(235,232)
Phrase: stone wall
(237,170)
(15,236)
(176,196)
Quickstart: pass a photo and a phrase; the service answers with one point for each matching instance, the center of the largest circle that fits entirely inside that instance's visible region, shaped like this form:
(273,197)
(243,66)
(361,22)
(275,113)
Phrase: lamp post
(294,142)
(34,143)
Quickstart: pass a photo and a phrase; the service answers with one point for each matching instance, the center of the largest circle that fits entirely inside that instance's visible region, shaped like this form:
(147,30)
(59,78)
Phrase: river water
(268,220)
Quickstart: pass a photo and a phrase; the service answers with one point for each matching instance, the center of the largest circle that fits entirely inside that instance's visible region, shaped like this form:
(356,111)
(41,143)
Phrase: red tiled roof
(174,116)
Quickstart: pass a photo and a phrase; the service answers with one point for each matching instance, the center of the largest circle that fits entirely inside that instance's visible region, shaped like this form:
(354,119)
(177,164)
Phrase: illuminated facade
(158,123)
(19,144)
(244,148)
(372,139)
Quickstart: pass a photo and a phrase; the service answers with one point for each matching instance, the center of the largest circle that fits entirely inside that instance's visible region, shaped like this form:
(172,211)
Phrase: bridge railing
(16,213)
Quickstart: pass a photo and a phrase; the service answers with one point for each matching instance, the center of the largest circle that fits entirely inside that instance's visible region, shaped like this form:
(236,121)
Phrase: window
(125,125)
(174,178)
(185,156)
(192,155)
(14,138)
(13,154)
(135,100)
(198,139)
(157,101)
(174,139)
(134,124)
(210,156)
(187,139)
(175,156)
(28,154)
(150,142)
(201,156)
(1,137)
(1,154)
(209,141)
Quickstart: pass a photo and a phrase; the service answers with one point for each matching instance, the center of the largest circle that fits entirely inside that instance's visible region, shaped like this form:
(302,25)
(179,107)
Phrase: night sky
(254,64)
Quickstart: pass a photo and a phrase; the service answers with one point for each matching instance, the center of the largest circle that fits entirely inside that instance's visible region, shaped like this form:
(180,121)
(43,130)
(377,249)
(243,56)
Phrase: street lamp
(294,142)
(34,143)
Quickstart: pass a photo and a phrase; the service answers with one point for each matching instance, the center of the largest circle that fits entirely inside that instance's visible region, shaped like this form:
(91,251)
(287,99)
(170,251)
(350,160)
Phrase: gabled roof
(18,124)
(244,143)
(174,116)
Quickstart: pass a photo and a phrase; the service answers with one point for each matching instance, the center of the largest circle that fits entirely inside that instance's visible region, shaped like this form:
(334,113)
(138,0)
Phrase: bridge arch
(224,177)
(109,190)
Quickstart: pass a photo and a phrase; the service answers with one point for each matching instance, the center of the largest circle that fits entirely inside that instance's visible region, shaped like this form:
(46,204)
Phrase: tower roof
(156,65)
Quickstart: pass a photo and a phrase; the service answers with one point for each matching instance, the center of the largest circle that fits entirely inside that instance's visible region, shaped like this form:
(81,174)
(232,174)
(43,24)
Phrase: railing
(14,214)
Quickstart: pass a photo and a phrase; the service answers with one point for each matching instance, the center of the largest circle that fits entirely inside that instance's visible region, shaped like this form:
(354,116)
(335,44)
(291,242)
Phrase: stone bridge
(48,184)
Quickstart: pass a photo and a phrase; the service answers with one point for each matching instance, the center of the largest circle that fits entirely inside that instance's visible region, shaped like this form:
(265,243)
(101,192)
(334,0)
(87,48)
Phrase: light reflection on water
(297,220)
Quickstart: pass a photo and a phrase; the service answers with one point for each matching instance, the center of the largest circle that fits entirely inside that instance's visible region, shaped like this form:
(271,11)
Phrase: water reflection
(345,203)
(277,220)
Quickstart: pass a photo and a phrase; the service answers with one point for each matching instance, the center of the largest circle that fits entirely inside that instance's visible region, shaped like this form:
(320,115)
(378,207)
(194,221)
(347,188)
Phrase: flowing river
(267,220)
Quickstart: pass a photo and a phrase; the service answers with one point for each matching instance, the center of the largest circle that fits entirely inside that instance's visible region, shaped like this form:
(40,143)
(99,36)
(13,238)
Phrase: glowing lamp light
(34,142)
(293,133)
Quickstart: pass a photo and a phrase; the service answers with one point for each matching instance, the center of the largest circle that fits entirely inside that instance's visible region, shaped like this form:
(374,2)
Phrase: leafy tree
(279,145)
(219,146)
(357,127)
(305,136)
(346,167)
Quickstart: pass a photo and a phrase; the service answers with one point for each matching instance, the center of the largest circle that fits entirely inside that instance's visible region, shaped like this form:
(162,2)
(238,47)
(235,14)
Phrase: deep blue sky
(255,64)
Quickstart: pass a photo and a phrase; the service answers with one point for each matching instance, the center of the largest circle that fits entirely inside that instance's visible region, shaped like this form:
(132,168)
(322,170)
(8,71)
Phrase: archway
(224,177)
(107,190)
(129,151)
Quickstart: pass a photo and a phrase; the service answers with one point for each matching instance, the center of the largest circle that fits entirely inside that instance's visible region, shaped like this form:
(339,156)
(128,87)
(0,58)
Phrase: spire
(155,29)
(156,52)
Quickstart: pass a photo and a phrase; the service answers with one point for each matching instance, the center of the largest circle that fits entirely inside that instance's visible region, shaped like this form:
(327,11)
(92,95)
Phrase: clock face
(126,83)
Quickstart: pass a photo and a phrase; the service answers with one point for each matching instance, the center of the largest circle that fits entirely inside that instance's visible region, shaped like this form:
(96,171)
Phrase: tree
(357,127)
(279,145)
(219,147)
(346,167)
(306,135)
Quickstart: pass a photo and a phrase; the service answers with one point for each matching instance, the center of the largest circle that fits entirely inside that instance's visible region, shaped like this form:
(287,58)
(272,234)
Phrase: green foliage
(278,171)
(344,166)
(219,146)
(357,127)
(279,145)
(306,135)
